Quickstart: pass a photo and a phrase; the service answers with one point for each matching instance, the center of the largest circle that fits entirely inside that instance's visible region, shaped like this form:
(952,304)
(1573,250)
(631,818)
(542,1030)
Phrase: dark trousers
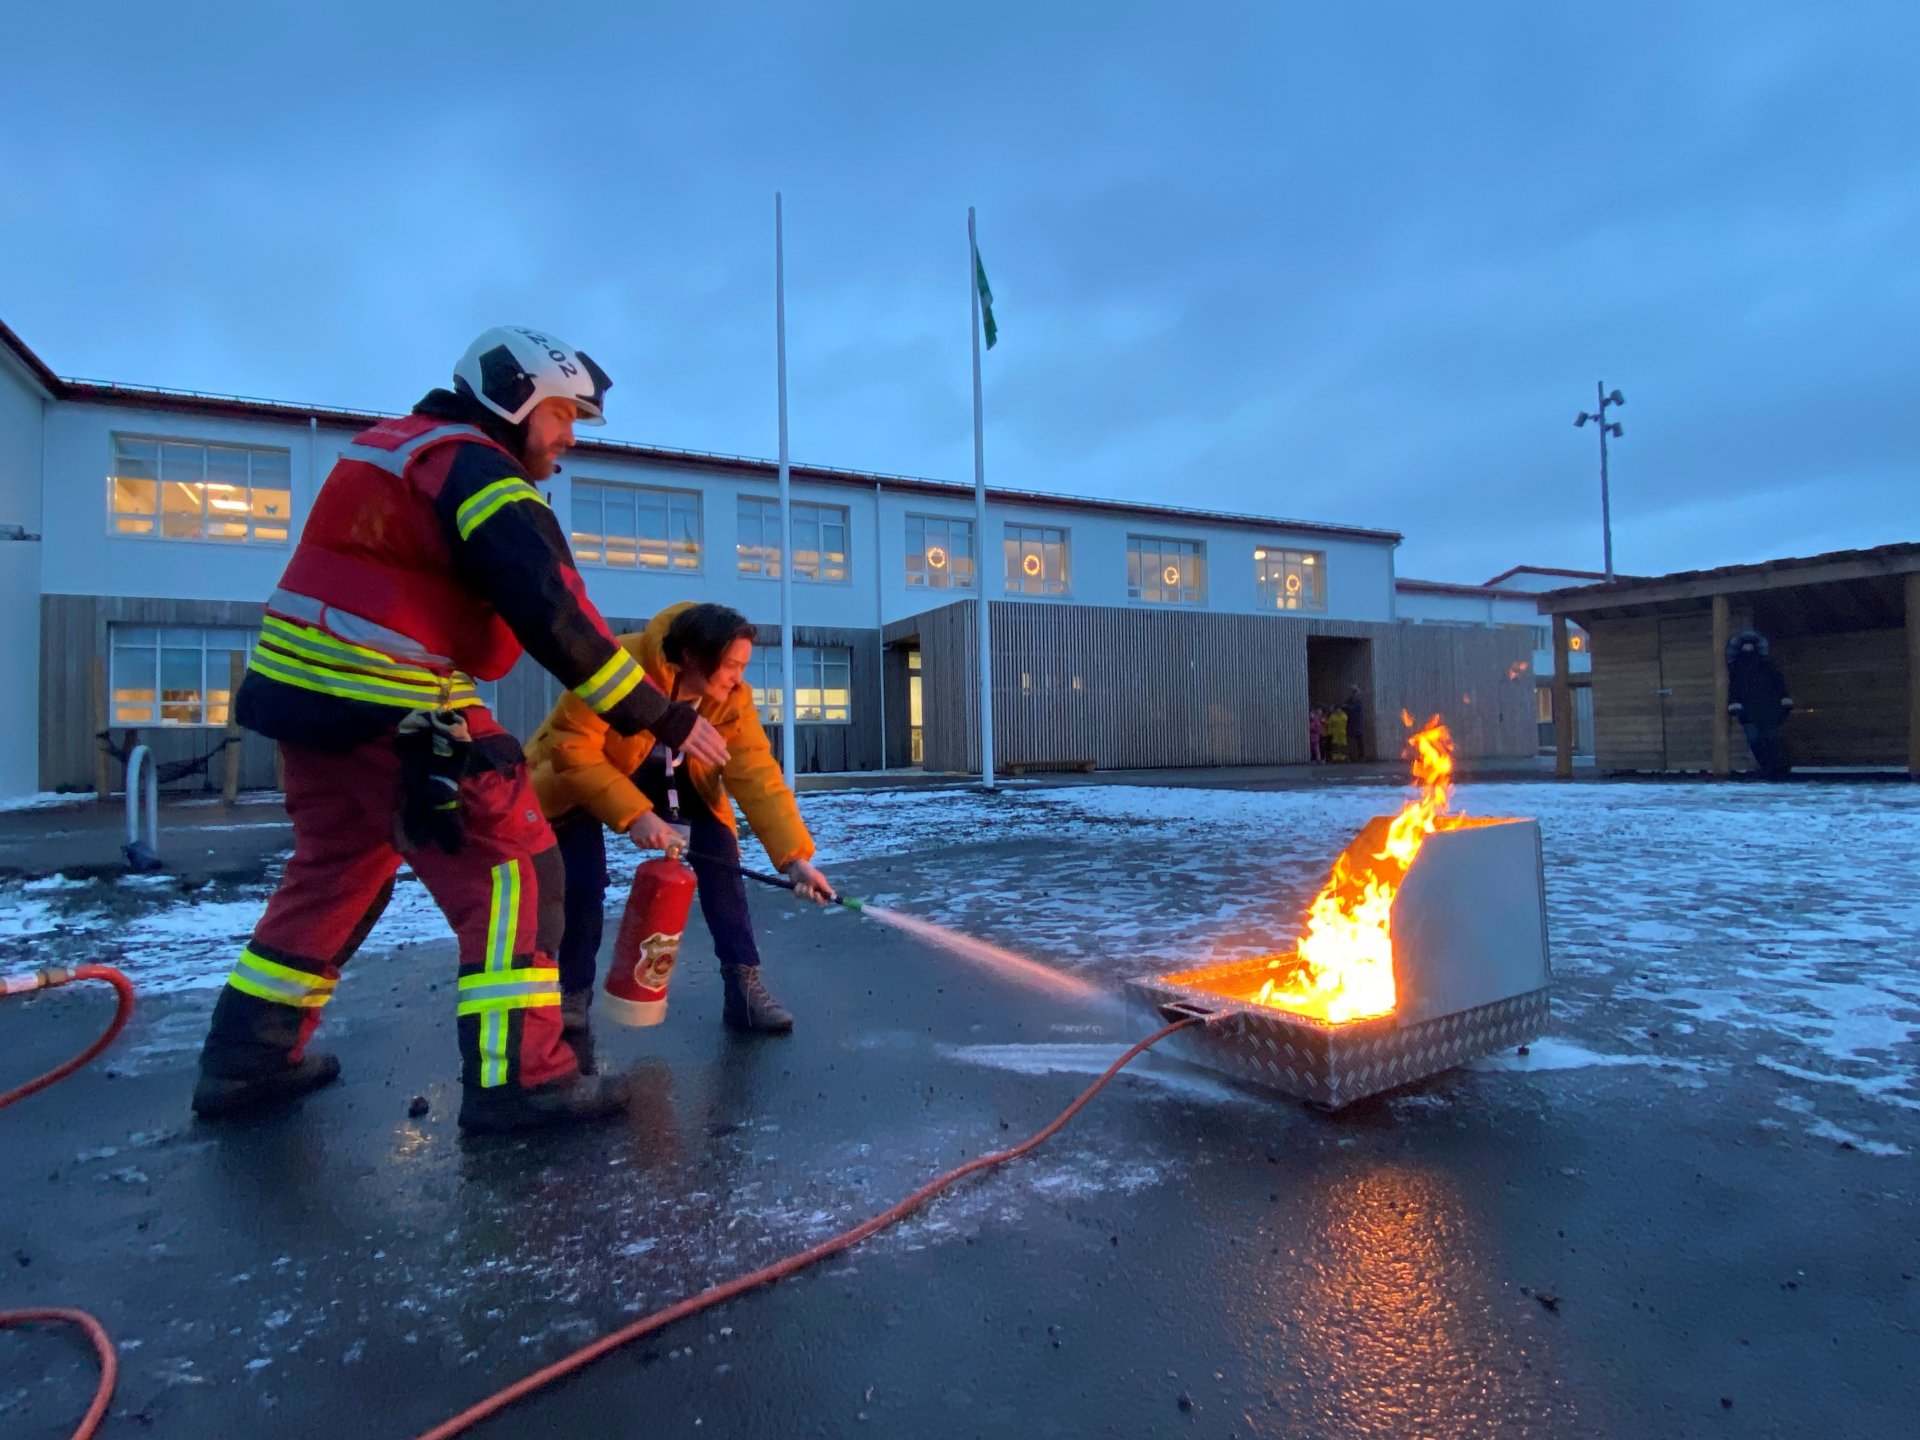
(1768,754)
(723,894)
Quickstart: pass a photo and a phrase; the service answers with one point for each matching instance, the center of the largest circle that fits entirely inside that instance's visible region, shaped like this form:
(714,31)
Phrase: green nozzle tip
(851,903)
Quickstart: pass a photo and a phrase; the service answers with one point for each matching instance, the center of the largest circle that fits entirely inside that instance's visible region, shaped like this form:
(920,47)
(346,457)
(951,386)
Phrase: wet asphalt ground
(1592,1251)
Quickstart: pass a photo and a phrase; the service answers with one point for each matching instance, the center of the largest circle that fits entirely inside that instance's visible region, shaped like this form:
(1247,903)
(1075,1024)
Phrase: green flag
(991,330)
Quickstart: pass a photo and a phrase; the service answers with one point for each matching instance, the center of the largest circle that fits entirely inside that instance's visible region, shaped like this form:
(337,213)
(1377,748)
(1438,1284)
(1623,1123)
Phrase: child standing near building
(1316,732)
(1336,733)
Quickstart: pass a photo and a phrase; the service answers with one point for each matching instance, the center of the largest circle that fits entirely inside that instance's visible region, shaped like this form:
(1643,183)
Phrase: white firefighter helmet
(512,368)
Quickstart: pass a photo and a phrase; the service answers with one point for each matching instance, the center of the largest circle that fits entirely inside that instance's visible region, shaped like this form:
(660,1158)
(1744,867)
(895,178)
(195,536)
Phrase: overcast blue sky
(1357,263)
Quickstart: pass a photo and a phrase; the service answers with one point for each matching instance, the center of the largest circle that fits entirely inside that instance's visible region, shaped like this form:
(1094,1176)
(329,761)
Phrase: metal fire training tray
(1470,970)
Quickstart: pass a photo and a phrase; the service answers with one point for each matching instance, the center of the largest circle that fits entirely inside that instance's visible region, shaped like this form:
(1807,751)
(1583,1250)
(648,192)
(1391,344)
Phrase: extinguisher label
(654,966)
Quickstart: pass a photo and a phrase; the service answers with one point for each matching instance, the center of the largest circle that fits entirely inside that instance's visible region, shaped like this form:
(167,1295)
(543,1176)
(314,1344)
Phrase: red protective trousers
(494,893)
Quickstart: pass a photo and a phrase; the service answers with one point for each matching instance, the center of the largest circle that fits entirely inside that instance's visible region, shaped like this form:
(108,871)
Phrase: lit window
(916,733)
(822,684)
(186,490)
(173,676)
(1036,560)
(636,527)
(1166,572)
(1291,579)
(939,552)
(819,540)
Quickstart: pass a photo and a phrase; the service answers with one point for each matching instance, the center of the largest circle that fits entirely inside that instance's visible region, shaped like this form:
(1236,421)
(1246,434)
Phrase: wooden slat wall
(1686,673)
(1469,675)
(1850,697)
(1166,688)
(1628,732)
(1849,689)
(73,631)
(949,689)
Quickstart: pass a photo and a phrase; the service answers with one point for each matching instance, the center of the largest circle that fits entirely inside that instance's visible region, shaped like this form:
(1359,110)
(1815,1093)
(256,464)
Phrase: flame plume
(1342,967)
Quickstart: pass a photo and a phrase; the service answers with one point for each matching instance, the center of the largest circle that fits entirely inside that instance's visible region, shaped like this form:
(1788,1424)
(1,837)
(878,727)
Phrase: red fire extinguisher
(652,924)
(648,942)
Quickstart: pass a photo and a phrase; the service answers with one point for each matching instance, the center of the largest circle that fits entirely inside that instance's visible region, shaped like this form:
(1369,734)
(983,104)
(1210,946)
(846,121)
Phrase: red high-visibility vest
(373,569)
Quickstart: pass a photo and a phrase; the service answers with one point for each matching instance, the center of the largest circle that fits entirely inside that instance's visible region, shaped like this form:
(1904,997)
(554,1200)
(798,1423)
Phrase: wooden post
(279,770)
(1563,718)
(236,672)
(1722,629)
(1913,675)
(102,762)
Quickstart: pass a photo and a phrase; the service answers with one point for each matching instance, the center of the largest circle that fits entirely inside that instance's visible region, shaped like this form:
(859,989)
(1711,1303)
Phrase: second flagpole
(788,718)
(980,514)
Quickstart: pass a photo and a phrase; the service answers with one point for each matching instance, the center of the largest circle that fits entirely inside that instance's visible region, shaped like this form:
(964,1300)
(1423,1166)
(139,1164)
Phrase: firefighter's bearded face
(549,436)
(696,684)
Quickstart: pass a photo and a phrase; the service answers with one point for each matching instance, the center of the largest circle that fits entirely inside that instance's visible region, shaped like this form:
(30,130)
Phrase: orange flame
(1342,968)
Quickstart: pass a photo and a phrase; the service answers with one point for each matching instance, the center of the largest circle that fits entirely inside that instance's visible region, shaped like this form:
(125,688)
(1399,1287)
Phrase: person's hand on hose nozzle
(650,832)
(809,883)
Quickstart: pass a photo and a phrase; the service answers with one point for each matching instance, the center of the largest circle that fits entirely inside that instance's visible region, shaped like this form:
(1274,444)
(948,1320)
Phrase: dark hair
(702,633)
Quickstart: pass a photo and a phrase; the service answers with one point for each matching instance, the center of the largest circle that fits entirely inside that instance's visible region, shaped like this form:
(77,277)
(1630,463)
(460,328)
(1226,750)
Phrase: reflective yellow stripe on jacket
(611,683)
(484,504)
(311,659)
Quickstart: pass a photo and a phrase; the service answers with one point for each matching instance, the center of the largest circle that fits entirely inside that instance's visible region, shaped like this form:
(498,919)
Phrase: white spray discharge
(990,957)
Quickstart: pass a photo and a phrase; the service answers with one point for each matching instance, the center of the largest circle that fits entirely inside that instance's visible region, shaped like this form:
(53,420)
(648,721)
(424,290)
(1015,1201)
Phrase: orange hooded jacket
(580,764)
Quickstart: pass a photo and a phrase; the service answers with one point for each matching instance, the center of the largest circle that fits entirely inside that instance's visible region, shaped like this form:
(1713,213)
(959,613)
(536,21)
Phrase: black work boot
(749,1006)
(573,1101)
(577,1029)
(217,1095)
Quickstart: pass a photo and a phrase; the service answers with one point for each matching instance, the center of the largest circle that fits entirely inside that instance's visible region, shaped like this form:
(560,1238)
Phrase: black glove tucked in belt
(433,746)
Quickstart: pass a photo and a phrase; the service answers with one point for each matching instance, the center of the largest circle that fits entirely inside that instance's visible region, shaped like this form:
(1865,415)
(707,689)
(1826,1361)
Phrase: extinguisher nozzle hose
(779,882)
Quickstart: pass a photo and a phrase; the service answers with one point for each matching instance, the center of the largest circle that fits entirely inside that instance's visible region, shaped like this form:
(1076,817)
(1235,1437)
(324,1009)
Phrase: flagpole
(980,518)
(789,715)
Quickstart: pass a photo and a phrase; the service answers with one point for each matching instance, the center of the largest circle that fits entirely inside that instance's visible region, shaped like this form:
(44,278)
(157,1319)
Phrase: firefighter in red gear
(430,560)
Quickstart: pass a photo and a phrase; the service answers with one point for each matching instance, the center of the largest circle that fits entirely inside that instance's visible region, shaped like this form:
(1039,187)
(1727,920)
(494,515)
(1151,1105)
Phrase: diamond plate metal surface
(1327,1065)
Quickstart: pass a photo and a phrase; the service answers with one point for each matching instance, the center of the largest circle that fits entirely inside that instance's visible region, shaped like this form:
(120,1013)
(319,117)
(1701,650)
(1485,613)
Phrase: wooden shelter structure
(1844,629)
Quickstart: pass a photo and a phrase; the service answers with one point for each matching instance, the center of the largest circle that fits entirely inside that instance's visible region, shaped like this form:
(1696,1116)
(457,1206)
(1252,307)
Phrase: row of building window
(173,490)
(184,676)
(664,534)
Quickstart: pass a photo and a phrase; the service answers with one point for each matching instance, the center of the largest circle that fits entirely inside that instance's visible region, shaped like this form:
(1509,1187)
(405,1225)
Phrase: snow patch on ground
(1823,1129)
(1551,1054)
(1735,922)
(45,800)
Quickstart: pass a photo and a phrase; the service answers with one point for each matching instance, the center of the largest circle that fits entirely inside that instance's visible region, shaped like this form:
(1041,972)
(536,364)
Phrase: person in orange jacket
(590,778)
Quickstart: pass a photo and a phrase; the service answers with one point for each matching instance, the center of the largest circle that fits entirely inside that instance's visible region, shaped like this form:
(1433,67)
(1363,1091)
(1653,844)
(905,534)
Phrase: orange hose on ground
(14,1319)
(102,1346)
(121,1015)
(846,1239)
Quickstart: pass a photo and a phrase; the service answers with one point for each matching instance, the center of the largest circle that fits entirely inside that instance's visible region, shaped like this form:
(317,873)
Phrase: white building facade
(1512,599)
(141,529)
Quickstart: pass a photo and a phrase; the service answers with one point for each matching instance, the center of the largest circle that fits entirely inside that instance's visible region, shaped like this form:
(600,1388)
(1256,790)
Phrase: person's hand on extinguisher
(809,883)
(650,832)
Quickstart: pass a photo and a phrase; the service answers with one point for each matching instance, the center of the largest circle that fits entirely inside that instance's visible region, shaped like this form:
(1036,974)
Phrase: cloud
(1357,266)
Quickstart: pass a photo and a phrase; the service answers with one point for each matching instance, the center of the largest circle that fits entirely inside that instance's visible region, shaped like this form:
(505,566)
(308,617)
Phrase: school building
(141,529)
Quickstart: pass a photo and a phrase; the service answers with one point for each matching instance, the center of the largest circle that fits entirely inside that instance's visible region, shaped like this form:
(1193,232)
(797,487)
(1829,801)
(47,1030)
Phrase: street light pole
(1606,500)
